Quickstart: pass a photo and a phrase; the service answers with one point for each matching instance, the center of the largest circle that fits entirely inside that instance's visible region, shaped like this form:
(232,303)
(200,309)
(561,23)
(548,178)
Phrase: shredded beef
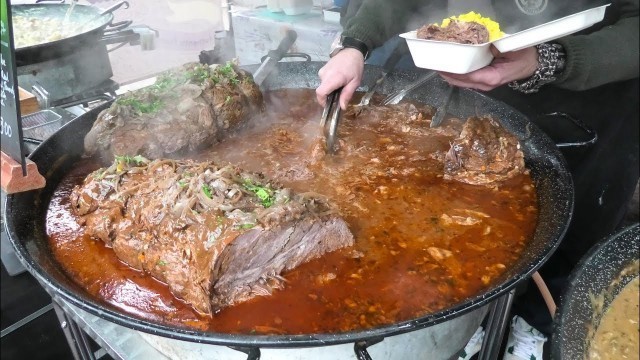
(457,31)
(483,153)
(215,235)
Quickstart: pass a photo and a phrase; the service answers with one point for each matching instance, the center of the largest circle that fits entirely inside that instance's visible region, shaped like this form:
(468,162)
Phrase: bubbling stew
(422,242)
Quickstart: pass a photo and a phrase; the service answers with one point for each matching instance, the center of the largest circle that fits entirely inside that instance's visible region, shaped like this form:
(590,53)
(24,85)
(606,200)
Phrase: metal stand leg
(496,325)
(77,339)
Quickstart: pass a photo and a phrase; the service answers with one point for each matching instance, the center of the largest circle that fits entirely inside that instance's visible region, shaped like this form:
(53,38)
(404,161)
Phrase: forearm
(605,56)
(377,20)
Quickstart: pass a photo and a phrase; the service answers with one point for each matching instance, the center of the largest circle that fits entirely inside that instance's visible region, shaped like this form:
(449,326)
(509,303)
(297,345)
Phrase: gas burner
(106,91)
(85,74)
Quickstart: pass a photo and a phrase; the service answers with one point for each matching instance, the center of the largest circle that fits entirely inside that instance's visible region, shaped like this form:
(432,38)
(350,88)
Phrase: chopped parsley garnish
(143,107)
(246,226)
(198,74)
(164,82)
(182,183)
(161,263)
(207,191)
(138,159)
(265,194)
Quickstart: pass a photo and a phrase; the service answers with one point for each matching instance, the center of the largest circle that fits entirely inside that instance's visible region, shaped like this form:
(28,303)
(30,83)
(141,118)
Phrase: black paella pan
(25,212)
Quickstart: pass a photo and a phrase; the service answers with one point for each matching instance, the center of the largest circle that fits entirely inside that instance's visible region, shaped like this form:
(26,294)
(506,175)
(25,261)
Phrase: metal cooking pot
(25,215)
(593,275)
(93,20)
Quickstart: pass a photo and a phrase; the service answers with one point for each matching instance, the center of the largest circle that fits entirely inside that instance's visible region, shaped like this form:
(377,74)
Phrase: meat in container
(447,56)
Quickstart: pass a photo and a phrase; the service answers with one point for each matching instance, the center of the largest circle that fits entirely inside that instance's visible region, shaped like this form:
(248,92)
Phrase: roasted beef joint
(186,109)
(215,235)
(483,153)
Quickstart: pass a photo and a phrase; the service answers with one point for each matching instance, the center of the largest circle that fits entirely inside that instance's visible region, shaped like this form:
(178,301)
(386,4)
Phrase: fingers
(494,51)
(327,86)
(343,70)
(347,93)
(484,79)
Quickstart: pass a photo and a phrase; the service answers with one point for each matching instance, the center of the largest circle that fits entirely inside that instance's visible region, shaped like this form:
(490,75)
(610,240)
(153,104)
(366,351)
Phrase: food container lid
(551,30)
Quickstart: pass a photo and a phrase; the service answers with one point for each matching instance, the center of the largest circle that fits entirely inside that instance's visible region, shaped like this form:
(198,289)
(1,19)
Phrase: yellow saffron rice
(493,27)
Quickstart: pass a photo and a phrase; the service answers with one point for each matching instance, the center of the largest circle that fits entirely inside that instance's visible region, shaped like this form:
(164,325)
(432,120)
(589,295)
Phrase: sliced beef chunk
(457,31)
(186,110)
(483,153)
(215,235)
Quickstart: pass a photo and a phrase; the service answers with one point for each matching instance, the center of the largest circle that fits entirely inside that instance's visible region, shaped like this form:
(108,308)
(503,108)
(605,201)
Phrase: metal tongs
(331,108)
(395,98)
(398,52)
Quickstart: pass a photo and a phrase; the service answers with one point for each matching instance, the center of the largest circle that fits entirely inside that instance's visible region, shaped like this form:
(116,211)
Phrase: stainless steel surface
(438,342)
(442,110)
(119,342)
(395,98)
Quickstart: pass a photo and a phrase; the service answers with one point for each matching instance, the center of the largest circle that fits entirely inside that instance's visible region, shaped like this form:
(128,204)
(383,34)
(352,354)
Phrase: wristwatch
(343,42)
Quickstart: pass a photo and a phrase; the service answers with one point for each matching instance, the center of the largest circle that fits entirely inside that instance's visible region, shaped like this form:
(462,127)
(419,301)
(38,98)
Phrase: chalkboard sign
(9,95)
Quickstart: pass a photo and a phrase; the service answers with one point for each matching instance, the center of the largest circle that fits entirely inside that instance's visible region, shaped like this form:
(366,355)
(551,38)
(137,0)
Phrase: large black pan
(92,20)
(594,275)
(25,212)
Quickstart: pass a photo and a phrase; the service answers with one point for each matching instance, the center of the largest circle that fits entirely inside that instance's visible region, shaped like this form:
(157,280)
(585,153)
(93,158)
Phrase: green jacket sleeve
(607,55)
(377,20)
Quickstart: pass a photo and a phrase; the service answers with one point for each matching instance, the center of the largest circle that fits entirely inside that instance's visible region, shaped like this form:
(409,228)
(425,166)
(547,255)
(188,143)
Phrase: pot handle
(307,57)
(253,353)
(113,27)
(581,125)
(360,348)
(115,7)
(54,1)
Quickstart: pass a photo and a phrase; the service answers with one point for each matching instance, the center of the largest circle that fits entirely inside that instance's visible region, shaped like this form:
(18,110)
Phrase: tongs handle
(437,118)
(398,52)
(332,108)
(397,96)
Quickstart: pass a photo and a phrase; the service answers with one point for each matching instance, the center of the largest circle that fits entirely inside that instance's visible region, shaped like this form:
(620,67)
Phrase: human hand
(344,69)
(504,68)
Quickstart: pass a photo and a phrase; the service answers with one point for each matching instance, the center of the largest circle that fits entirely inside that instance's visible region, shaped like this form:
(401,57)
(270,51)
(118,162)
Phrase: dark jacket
(606,53)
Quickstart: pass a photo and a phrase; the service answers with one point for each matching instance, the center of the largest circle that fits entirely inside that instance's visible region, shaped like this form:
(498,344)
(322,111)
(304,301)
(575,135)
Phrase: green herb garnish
(138,159)
(265,194)
(161,263)
(199,74)
(207,191)
(182,183)
(143,107)
(246,226)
